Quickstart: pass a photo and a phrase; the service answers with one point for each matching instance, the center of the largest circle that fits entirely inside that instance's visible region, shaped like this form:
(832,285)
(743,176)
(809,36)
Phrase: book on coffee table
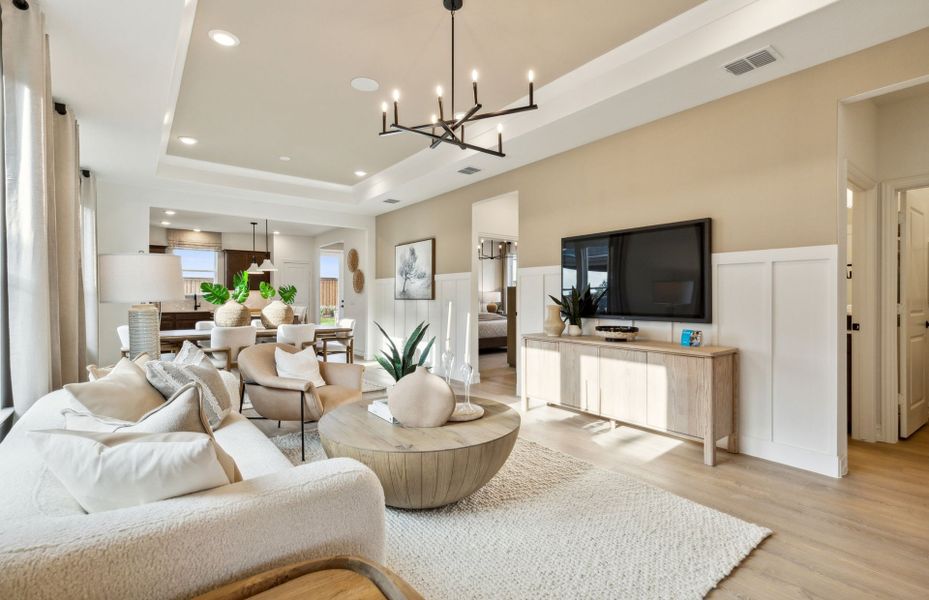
(380,408)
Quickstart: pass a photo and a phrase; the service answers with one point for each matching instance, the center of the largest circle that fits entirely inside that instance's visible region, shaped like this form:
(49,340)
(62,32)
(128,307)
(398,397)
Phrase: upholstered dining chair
(340,343)
(123,332)
(226,343)
(298,336)
(299,314)
(285,399)
(204,325)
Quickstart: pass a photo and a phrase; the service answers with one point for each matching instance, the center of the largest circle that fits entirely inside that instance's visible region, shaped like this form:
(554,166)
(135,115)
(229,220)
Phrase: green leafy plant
(288,293)
(266,290)
(576,305)
(398,365)
(217,293)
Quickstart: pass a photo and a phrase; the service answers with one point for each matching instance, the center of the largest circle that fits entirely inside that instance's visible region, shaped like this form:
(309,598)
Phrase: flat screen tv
(657,273)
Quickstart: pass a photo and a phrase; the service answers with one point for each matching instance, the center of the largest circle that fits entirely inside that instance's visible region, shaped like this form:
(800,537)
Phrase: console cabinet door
(580,376)
(677,393)
(623,385)
(543,371)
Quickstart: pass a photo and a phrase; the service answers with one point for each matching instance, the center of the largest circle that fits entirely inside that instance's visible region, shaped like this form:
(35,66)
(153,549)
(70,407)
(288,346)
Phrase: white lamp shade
(492,297)
(134,278)
(253,269)
(267,265)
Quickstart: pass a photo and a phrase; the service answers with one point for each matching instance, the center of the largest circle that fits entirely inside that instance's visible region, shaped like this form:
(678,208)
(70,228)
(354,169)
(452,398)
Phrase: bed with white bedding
(491,330)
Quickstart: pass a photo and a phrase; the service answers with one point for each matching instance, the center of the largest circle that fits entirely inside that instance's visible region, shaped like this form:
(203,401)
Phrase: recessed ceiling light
(277,233)
(365,84)
(187,140)
(197,230)
(170,212)
(360,173)
(284,158)
(166,222)
(223,38)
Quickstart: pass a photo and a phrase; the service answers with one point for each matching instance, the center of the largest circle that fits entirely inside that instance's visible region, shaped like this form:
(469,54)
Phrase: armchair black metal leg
(302,429)
(241,396)
(278,424)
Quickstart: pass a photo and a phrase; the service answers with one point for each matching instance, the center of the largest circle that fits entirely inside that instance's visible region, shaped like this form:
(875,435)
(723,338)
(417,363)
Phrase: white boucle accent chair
(178,548)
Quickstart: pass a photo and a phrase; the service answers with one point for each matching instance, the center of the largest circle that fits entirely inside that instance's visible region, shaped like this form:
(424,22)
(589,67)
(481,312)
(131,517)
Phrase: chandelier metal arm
(463,145)
(459,122)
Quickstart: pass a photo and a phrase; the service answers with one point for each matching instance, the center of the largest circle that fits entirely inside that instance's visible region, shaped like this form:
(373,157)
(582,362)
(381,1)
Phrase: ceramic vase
(276,313)
(231,314)
(553,326)
(574,330)
(421,399)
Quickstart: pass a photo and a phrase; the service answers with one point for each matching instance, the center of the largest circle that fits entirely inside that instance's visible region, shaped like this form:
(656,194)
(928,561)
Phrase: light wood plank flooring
(863,536)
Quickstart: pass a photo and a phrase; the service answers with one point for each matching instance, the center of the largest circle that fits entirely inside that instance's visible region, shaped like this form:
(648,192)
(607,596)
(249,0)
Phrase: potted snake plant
(278,312)
(230,308)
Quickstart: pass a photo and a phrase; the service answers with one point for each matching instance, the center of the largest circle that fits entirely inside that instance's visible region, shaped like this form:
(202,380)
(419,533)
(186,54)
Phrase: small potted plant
(230,308)
(280,311)
(576,305)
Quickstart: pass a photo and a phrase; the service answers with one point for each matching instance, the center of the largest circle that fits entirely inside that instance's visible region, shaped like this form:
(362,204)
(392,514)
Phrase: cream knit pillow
(169,377)
(299,365)
(106,471)
(124,394)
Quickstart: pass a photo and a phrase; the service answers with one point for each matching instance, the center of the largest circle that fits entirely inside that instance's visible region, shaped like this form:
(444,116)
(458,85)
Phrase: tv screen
(659,273)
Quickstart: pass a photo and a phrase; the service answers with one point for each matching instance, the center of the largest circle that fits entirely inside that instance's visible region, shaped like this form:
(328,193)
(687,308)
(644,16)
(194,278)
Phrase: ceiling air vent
(753,61)
(391,201)
(469,171)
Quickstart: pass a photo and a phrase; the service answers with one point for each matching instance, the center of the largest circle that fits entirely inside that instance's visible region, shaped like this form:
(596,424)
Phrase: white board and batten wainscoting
(778,307)
(399,317)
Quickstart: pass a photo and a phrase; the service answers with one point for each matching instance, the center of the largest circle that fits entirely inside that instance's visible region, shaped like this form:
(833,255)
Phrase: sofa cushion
(169,377)
(94,372)
(301,365)
(106,471)
(124,394)
(185,411)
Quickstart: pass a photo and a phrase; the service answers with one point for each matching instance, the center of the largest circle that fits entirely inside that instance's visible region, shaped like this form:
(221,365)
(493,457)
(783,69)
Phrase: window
(197,266)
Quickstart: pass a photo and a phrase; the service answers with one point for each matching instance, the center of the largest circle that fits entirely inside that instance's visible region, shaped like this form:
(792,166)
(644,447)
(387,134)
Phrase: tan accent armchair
(284,399)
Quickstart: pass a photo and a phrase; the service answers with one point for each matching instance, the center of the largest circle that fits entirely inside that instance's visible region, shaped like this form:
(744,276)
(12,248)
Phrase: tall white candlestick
(448,328)
(467,352)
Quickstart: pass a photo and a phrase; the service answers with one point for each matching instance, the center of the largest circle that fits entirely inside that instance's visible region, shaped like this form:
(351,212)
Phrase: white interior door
(914,313)
(298,273)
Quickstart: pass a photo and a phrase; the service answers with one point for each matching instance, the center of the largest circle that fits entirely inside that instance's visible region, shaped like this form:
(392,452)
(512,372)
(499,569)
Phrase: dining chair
(298,336)
(123,332)
(226,343)
(340,343)
(257,324)
(299,314)
(204,325)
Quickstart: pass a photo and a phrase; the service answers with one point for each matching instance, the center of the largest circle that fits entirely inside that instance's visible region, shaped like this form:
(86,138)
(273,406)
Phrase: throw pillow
(106,471)
(124,394)
(184,411)
(94,372)
(169,377)
(299,365)
(192,354)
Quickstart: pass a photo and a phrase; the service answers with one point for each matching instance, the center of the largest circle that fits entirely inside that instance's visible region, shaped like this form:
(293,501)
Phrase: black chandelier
(452,130)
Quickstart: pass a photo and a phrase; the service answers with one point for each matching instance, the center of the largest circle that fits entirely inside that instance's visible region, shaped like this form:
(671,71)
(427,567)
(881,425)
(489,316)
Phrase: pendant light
(267,266)
(253,268)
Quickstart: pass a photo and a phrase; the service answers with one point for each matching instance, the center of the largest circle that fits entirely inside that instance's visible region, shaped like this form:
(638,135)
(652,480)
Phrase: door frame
(889,396)
(341,287)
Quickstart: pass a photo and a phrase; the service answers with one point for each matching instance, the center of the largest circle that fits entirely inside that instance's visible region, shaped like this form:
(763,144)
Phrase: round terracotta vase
(276,313)
(231,314)
(421,399)
(553,326)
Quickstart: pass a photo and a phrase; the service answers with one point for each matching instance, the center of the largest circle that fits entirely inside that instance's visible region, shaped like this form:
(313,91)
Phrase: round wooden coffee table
(427,467)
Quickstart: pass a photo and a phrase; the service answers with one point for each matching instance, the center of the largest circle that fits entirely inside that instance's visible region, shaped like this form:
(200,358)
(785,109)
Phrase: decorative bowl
(617,333)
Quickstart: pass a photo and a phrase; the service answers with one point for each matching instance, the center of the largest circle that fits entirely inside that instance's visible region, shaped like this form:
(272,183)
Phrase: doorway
(331,297)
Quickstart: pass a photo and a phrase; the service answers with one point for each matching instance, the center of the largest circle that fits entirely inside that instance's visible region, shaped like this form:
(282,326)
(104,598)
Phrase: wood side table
(423,467)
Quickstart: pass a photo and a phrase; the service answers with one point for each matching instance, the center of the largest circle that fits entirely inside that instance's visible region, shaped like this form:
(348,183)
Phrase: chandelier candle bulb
(384,117)
(531,86)
(500,137)
(396,112)
(474,84)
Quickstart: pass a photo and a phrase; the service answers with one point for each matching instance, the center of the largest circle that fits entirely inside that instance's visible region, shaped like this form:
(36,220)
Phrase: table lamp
(138,279)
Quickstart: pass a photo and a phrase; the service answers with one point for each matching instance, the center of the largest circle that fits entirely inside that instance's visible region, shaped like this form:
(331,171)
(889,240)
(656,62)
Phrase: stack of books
(380,408)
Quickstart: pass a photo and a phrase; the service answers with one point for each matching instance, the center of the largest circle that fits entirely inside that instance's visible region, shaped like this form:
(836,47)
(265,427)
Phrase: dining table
(173,339)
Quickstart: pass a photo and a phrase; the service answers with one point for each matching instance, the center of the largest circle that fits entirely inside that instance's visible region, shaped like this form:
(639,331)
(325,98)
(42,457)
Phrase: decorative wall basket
(352,260)
(358,281)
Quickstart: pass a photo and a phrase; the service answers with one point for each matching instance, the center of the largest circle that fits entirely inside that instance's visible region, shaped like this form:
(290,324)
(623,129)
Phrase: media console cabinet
(688,392)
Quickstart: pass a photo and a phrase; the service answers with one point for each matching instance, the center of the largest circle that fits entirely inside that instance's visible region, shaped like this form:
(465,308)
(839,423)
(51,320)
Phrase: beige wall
(903,138)
(761,163)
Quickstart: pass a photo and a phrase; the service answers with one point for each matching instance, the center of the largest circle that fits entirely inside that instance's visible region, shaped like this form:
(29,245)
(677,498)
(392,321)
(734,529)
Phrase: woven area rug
(552,526)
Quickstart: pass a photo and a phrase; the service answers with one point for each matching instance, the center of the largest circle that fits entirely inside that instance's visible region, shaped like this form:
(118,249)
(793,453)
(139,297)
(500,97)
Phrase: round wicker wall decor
(358,281)
(352,260)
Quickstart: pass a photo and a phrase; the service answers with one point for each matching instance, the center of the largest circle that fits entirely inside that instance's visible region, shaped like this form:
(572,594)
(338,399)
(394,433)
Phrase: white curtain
(42,261)
(89,264)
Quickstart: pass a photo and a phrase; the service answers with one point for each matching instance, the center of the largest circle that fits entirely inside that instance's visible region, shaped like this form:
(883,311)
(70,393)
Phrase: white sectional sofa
(50,548)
